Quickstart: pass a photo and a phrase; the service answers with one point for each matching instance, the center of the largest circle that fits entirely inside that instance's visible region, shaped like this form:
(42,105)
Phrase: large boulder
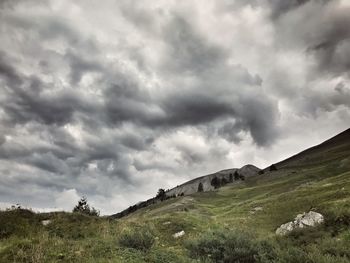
(309,219)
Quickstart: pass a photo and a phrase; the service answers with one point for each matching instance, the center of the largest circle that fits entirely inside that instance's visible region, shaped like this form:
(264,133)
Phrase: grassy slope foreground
(236,223)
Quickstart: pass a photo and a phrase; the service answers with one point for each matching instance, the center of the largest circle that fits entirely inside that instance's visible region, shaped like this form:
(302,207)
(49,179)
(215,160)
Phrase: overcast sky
(114,99)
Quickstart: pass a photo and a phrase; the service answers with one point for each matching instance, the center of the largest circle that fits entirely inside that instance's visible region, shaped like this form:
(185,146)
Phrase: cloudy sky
(114,99)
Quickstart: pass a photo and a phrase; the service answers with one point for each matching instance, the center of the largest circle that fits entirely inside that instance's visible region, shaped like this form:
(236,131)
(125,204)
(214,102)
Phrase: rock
(46,222)
(256,209)
(309,219)
(179,234)
(167,223)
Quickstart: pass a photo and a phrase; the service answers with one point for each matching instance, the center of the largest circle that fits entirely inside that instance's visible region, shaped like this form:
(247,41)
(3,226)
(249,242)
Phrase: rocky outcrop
(309,219)
(205,182)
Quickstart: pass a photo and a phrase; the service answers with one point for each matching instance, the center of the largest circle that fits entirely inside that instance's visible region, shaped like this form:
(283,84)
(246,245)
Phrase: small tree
(236,176)
(231,178)
(84,208)
(200,187)
(223,181)
(161,194)
(273,168)
(215,182)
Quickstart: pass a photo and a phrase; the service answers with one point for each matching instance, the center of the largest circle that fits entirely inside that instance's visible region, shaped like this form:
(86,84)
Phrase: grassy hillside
(239,218)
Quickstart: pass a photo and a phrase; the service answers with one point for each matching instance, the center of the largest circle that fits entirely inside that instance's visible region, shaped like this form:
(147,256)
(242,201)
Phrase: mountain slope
(318,178)
(334,148)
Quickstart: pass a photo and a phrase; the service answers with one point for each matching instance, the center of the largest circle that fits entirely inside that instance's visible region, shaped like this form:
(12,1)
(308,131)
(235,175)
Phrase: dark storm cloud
(29,100)
(80,66)
(323,32)
(280,7)
(8,72)
(333,35)
(189,52)
(29,104)
(196,108)
(276,8)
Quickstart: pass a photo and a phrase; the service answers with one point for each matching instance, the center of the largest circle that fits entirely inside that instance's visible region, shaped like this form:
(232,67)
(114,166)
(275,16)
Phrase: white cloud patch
(67,199)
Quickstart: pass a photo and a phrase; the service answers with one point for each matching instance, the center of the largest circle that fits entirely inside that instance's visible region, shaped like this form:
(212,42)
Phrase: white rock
(312,219)
(45,222)
(179,234)
(309,219)
(285,228)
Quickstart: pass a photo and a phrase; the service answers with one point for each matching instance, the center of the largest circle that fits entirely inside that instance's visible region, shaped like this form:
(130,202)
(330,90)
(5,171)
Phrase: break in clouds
(115,99)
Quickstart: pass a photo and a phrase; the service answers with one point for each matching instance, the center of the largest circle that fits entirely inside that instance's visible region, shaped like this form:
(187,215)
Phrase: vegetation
(161,194)
(200,187)
(273,168)
(218,224)
(236,176)
(231,178)
(230,246)
(137,238)
(84,208)
(215,182)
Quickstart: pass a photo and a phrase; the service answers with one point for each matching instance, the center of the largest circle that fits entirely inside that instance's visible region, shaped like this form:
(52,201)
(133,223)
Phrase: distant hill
(226,176)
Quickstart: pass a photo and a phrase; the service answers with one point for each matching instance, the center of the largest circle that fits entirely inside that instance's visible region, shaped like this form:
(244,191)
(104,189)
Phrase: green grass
(322,185)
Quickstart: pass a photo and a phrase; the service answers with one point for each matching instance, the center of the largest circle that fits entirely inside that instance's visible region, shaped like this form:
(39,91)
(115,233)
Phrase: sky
(113,100)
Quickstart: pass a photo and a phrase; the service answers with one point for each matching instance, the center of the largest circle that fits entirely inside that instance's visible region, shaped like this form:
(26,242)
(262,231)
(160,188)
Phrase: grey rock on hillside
(302,220)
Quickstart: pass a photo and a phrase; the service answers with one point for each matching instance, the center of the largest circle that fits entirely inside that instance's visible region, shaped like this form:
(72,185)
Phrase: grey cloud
(189,52)
(147,92)
(323,32)
(80,66)
(230,131)
(8,72)
(280,7)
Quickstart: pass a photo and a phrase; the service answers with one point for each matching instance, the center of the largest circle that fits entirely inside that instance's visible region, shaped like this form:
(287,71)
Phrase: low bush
(73,226)
(337,218)
(139,238)
(224,246)
(19,222)
(164,256)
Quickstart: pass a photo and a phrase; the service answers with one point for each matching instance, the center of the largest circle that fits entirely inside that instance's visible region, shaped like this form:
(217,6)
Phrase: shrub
(200,187)
(163,256)
(73,226)
(138,238)
(224,181)
(292,255)
(337,218)
(273,168)
(236,176)
(161,195)
(84,208)
(215,182)
(231,178)
(230,246)
(19,222)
